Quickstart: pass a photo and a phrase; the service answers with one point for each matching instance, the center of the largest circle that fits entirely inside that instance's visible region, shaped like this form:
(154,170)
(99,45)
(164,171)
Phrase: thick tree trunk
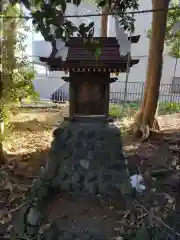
(104,22)
(8,61)
(145,119)
(2,156)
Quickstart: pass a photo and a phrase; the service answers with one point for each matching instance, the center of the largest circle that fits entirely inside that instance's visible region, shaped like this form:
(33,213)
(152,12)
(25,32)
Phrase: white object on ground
(136,182)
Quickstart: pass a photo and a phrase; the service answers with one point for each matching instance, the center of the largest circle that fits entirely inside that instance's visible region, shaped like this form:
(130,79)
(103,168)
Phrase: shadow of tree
(28,162)
(15,181)
(160,151)
(33,125)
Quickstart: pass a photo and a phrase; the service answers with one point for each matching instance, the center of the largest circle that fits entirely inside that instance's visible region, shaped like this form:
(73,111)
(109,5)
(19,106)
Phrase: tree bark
(2,156)
(145,120)
(8,63)
(104,22)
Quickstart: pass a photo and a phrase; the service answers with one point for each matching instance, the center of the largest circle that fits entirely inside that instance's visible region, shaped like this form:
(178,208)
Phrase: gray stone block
(52,233)
(92,188)
(102,156)
(32,232)
(58,132)
(68,134)
(85,164)
(67,186)
(62,175)
(99,146)
(77,177)
(91,161)
(43,192)
(78,144)
(91,176)
(77,188)
(117,165)
(57,146)
(37,188)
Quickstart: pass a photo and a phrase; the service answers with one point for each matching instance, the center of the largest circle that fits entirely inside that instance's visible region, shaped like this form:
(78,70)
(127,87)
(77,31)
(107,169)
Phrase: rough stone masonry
(86,158)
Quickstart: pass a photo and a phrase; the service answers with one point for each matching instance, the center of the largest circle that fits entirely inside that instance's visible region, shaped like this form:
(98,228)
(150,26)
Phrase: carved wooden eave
(68,79)
(59,65)
(110,70)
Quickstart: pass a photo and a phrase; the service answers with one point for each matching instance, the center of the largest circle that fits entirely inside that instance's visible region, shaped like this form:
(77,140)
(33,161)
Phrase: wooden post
(72,98)
(104,21)
(106,101)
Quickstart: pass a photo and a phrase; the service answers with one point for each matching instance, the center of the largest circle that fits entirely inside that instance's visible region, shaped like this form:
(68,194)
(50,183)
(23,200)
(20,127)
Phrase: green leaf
(17,82)
(27,4)
(102,3)
(59,33)
(63,7)
(172,40)
(91,25)
(98,53)
(76,2)
(71,27)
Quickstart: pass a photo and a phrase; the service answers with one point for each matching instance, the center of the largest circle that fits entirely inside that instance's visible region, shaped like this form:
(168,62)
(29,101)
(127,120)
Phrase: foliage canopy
(16,72)
(172,38)
(49,17)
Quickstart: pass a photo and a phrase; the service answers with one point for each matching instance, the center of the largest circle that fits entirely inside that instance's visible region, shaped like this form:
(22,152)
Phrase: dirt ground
(29,145)
(32,136)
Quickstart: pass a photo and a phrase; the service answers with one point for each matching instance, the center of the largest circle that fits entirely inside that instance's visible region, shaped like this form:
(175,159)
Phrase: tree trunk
(8,61)
(2,156)
(104,22)
(145,119)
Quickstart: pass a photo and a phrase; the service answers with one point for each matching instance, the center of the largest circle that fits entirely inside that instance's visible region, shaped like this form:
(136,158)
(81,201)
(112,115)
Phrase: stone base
(86,158)
(89,118)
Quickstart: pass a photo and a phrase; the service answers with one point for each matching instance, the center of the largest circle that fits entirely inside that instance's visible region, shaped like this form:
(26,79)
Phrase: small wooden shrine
(89,78)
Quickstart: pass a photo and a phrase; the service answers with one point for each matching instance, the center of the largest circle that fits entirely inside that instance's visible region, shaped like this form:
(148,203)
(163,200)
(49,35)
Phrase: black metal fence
(120,92)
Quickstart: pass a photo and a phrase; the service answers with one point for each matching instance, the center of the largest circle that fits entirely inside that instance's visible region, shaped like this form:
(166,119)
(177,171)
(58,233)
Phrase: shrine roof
(78,57)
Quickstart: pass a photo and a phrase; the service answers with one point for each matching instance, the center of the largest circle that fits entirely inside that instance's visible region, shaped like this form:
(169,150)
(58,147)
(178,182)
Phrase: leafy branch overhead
(172,38)
(49,18)
(17,74)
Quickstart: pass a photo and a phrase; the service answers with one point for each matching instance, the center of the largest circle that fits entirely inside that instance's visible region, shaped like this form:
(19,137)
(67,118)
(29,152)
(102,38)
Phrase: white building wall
(46,85)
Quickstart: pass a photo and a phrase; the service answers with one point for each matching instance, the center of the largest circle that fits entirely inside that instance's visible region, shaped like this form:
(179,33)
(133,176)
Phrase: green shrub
(169,107)
(130,109)
(123,110)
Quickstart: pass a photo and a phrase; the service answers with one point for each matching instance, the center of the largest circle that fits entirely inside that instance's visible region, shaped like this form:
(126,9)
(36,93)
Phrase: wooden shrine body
(89,78)
(89,94)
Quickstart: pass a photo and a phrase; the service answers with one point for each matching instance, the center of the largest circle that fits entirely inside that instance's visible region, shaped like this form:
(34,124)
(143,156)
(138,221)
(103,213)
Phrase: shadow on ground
(33,125)
(162,150)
